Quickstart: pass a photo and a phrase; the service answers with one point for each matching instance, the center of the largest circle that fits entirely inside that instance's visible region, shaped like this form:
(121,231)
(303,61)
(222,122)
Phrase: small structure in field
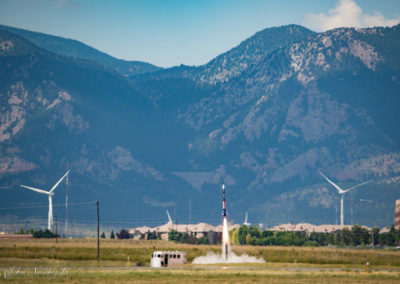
(167,258)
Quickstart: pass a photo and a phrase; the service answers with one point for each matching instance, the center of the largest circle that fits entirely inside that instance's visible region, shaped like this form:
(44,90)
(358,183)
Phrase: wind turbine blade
(332,183)
(358,185)
(169,218)
(54,187)
(36,189)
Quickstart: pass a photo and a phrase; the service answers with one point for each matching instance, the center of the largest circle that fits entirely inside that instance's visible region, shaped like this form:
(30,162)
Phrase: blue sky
(169,33)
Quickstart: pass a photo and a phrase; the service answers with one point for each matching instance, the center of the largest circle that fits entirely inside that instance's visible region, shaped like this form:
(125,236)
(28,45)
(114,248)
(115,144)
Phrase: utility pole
(373,219)
(292,231)
(98,230)
(190,210)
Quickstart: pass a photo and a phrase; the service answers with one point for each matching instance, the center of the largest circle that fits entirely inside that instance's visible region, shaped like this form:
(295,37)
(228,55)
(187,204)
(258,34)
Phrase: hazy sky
(191,32)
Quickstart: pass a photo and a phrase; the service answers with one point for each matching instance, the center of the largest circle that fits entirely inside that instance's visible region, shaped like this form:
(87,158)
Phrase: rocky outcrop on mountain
(249,52)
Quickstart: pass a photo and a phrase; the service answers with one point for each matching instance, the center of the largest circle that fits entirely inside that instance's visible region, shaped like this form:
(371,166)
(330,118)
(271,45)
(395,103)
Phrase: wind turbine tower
(342,193)
(66,203)
(50,195)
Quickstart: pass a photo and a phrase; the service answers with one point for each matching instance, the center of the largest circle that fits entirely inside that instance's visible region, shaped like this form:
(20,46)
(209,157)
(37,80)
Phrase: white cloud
(346,14)
(155,203)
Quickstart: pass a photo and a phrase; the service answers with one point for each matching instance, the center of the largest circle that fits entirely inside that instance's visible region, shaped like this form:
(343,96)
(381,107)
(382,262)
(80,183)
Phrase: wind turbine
(169,219)
(50,194)
(245,221)
(342,193)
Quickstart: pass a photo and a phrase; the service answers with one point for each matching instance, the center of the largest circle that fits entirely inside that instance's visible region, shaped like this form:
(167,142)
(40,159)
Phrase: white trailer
(167,258)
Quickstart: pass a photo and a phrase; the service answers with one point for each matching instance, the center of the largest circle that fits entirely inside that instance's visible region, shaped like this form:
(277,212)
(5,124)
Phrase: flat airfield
(127,261)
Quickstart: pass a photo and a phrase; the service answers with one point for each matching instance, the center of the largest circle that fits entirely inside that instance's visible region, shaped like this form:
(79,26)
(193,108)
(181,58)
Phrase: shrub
(311,244)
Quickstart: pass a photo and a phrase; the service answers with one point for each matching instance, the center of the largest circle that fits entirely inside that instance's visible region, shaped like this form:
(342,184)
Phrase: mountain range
(263,118)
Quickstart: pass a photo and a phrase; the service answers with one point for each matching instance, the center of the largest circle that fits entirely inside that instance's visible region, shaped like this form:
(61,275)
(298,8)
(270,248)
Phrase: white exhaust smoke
(211,258)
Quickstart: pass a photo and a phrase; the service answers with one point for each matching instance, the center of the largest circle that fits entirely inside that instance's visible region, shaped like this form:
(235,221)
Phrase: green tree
(284,238)
(112,236)
(254,232)
(311,243)
(123,234)
(242,234)
(248,239)
(202,241)
(172,235)
(384,239)
(267,233)
(235,237)
(392,236)
(346,237)
(103,236)
(356,235)
(321,238)
(44,234)
(152,235)
(365,236)
(398,237)
(375,236)
(179,237)
(185,238)
(332,239)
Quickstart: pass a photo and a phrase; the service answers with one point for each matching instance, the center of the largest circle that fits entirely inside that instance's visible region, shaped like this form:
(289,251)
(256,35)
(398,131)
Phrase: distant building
(309,228)
(384,230)
(139,232)
(200,230)
(397,215)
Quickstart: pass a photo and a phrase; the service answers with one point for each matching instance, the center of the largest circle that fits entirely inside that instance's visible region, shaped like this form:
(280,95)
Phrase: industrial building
(397,215)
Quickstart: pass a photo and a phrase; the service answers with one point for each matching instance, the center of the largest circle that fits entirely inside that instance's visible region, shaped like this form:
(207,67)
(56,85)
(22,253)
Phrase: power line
(42,206)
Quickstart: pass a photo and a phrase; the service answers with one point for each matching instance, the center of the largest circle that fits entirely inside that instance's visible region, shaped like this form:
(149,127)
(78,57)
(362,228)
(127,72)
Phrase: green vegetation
(45,234)
(185,238)
(38,234)
(123,234)
(153,236)
(26,232)
(119,257)
(139,251)
(357,236)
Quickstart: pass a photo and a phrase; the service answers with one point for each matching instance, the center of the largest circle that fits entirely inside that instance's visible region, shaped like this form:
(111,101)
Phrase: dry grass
(139,252)
(323,255)
(216,276)
(284,264)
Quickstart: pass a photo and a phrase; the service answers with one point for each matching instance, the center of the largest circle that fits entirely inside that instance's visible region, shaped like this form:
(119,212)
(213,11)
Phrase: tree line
(356,236)
(185,238)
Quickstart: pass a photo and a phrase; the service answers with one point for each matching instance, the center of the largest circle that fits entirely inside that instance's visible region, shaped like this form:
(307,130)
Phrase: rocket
(225,234)
(223,201)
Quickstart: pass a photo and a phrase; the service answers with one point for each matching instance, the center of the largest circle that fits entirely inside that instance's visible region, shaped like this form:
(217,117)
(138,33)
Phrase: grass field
(128,261)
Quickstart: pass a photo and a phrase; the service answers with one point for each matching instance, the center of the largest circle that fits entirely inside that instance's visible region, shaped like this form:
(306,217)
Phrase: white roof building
(309,228)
